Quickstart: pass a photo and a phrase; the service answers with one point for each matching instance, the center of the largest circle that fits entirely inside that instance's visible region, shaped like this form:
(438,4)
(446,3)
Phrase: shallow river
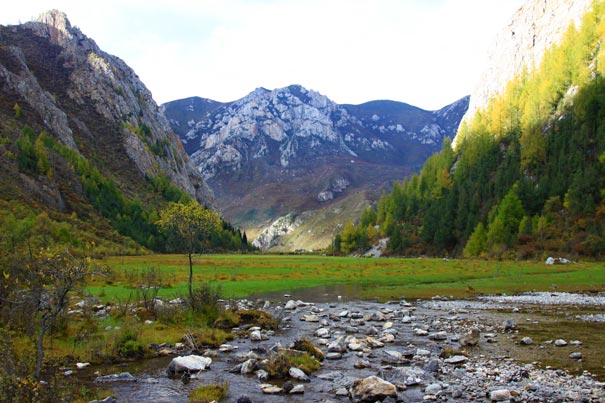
(541,323)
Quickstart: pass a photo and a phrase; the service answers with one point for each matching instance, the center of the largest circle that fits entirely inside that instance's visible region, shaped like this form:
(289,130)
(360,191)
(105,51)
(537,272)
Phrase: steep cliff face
(91,102)
(276,154)
(521,44)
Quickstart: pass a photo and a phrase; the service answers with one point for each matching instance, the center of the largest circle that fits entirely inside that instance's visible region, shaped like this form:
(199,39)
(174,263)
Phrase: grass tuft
(209,393)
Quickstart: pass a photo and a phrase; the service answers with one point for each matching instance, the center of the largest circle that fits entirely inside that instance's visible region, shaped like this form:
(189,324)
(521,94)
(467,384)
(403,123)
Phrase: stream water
(541,323)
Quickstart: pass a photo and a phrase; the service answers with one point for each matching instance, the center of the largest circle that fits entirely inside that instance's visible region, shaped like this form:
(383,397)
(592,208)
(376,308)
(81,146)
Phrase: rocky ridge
(521,44)
(91,102)
(293,151)
(288,125)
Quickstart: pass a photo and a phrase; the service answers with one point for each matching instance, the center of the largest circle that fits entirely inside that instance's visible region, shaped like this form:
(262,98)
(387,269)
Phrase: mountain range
(290,165)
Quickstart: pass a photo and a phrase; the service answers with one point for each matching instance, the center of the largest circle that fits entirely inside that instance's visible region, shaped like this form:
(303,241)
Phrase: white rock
(298,375)
(256,335)
(322,332)
(189,363)
(560,343)
(81,365)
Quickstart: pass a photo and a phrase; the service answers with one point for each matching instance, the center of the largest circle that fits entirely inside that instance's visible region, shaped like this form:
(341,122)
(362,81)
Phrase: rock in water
(188,363)
(121,377)
(298,375)
(471,338)
(372,389)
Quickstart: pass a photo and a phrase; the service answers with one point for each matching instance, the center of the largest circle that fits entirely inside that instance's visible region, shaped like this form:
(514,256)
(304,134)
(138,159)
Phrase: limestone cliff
(521,44)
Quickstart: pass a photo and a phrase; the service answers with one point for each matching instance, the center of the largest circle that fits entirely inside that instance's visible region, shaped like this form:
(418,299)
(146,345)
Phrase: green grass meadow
(249,275)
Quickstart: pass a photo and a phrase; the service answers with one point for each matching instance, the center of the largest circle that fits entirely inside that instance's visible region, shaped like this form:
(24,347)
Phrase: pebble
(526,341)
(560,343)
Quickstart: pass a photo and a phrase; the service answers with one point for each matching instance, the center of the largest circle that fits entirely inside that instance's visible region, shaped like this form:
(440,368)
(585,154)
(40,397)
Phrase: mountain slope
(526,178)
(293,150)
(79,128)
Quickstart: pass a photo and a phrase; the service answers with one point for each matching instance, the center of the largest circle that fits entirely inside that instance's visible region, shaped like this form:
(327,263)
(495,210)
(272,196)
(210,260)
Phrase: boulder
(471,338)
(248,367)
(372,389)
(188,363)
(298,374)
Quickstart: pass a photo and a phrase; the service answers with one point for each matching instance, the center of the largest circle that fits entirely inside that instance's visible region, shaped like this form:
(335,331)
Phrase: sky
(427,53)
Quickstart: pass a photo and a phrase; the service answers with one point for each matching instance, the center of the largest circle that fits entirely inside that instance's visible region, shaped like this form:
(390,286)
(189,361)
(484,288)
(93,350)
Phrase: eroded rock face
(521,44)
(281,226)
(82,95)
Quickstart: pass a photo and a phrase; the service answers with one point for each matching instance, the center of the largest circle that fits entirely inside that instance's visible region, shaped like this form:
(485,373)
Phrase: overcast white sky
(428,53)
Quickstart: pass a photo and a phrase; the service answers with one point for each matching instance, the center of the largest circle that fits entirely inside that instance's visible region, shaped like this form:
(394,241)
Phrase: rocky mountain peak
(55,19)
(283,152)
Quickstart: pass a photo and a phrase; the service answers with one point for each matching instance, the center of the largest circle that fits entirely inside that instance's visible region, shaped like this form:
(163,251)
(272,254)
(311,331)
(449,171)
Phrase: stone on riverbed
(456,359)
(269,389)
(500,395)
(121,377)
(298,374)
(372,389)
(188,363)
(438,336)
(471,338)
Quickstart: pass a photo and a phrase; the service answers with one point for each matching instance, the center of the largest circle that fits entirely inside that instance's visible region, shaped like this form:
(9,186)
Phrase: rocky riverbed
(440,350)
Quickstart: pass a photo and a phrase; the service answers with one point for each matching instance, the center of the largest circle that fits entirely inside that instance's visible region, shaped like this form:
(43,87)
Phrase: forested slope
(526,177)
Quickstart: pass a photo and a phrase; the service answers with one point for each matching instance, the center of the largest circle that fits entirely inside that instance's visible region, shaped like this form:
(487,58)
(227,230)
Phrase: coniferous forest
(525,177)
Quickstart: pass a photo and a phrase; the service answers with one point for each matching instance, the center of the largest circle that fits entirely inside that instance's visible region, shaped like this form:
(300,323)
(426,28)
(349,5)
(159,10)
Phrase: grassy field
(248,275)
